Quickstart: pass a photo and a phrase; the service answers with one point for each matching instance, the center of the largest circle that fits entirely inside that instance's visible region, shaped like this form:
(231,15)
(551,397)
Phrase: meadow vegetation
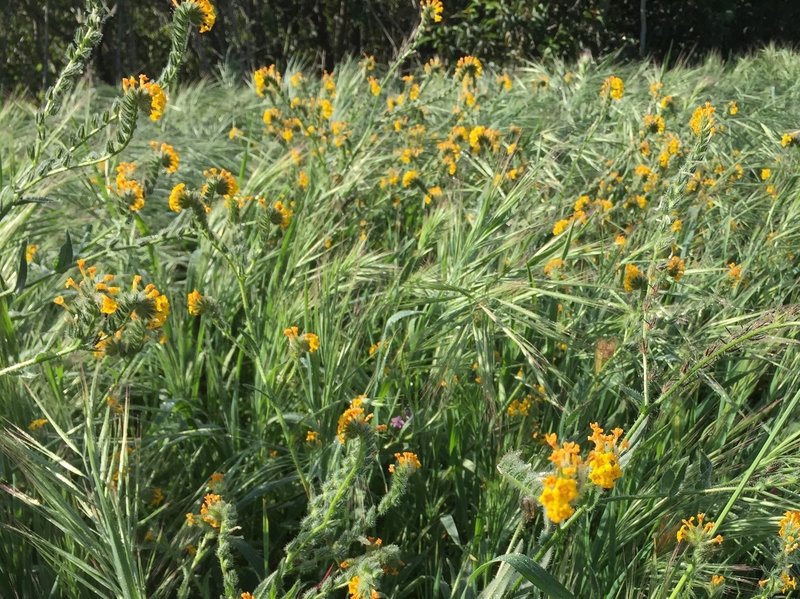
(402,331)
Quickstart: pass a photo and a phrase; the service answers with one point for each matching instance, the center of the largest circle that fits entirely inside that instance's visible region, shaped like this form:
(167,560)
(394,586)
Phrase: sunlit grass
(470,328)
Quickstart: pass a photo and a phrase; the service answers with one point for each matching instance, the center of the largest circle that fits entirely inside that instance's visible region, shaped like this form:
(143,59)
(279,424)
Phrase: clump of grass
(489,261)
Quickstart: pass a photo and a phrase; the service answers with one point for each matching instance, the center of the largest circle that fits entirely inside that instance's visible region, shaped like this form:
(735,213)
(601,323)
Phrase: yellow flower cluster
(220,182)
(613,87)
(697,533)
(703,120)
(167,156)
(789,531)
(481,137)
(353,418)
(633,278)
(129,190)
(790,139)
(355,592)
(151,93)
(204,14)
(553,265)
(432,9)
(603,461)
(520,408)
(35,425)
(98,297)
(207,512)
(406,459)
(195,303)
(734,272)
(676,266)
(468,70)
(281,214)
(307,342)
(562,487)
(654,123)
(178,197)
(267,79)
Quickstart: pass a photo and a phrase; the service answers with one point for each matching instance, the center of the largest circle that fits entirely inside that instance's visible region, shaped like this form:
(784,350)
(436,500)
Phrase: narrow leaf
(532,572)
(22,271)
(65,255)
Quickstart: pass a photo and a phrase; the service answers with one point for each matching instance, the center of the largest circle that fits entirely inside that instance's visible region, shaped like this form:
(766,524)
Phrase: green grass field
(482,260)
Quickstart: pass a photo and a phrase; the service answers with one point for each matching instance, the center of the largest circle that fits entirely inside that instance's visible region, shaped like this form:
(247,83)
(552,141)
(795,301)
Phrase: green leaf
(65,255)
(532,572)
(450,526)
(667,482)
(22,271)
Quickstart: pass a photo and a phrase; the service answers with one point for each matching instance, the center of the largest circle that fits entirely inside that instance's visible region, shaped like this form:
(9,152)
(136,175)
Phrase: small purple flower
(400,421)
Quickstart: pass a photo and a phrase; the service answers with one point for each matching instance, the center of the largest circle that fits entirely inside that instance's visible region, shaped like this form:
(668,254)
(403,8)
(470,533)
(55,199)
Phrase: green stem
(39,358)
(682,581)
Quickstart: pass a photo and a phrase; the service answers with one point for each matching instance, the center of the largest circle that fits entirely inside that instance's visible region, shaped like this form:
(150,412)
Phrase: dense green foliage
(250,33)
(348,335)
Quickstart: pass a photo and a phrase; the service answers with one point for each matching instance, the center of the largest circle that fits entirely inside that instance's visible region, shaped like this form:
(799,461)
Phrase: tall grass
(440,313)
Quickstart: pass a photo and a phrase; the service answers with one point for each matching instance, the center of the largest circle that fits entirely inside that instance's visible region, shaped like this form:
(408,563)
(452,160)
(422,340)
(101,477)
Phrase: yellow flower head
(432,10)
(312,342)
(208,512)
(37,424)
(565,457)
(676,267)
(281,214)
(167,156)
(697,533)
(202,13)
(221,182)
(613,87)
(468,69)
(408,460)
(520,408)
(150,94)
(789,582)
(603,461)
(654,123)
(482,137)
(552,265)
(633,279)
(790,139)
(557,496)
(352,420)
(216,480)
(789,531)
(655,89)
(178,197)
(195,303)
(409,177)
(267,79)
(108,305)
(734,272)
(504,81)
(703,120)
(561,226)
(433,65)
